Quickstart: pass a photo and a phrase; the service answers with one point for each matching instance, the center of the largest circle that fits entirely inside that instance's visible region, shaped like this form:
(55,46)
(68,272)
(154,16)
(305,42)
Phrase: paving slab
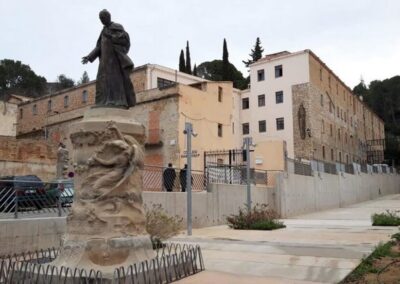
(321,247)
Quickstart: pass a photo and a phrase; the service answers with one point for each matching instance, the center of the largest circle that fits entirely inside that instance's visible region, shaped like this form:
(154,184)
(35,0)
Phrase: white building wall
(295,71)
(155,71)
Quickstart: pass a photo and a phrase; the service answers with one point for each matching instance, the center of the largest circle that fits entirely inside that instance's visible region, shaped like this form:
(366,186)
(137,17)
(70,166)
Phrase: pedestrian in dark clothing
(182,177)
(169,176)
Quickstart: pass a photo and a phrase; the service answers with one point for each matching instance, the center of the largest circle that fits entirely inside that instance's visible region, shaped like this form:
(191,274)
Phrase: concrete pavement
(321,247)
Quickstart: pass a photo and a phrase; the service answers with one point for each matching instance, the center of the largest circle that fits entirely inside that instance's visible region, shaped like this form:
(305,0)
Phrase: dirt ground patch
(382,266)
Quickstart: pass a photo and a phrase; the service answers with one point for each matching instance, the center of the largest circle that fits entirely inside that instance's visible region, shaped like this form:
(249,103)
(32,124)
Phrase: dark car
(22,191)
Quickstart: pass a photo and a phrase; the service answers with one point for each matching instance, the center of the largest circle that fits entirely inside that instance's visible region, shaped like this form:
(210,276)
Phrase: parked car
(27,190)
(60,189)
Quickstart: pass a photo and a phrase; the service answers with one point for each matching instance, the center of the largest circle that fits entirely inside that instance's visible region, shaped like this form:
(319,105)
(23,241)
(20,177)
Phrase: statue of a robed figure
(113,86)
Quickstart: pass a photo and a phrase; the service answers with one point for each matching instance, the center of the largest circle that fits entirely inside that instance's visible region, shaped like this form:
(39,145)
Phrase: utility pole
(189,133)
(247,141)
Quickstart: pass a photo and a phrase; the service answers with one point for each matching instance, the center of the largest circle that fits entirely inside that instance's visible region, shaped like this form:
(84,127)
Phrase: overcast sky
(354,38)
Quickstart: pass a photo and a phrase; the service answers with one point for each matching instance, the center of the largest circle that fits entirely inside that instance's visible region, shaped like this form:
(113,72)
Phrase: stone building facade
(306,104)
(27,157)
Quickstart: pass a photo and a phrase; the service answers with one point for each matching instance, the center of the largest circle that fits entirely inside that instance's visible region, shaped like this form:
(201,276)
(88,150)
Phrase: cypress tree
(195,70)
(225,63)
(182,66)
(188,64)
(255,54)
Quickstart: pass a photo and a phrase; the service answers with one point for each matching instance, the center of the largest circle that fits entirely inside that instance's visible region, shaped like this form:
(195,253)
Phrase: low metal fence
(349,168)
(302,168)
(172,262)
(170,179)
(226,174)
(364,168)
(32,198)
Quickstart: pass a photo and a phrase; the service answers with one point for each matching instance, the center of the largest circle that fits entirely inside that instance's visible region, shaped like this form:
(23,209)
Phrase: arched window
(66,101)
(84,97)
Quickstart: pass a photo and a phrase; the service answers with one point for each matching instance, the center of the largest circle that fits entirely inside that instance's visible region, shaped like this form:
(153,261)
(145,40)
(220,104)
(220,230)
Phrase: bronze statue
(113,86)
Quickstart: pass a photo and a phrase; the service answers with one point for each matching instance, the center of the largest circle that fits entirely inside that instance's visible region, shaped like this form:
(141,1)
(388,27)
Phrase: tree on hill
(188,63)
(256,53)
(84,79)
(182,65)
(212,70)
(63,82)
(18,78)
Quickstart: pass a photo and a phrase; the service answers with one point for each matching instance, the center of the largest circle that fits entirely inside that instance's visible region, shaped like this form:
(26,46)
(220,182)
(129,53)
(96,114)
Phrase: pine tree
(226,76)
(182,66)
(195,70)
(85,78)
(255,54)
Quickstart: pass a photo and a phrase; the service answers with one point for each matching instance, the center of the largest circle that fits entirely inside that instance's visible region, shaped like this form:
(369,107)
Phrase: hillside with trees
(384,98)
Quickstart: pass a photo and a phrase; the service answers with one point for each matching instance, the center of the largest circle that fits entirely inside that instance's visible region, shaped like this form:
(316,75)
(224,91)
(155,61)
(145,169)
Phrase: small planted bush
(160,226)
(388,218)
(260,217)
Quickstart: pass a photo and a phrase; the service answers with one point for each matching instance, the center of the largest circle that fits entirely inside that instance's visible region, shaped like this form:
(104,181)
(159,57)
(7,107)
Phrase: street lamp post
(189,133)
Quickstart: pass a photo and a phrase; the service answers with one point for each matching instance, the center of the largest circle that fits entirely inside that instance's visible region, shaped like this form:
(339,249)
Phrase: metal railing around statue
(172,262)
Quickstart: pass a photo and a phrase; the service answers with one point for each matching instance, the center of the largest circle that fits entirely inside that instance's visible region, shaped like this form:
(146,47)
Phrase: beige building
(298,98)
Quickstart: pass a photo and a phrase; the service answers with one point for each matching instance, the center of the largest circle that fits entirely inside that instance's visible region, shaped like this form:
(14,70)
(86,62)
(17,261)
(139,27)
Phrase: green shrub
(258,218)
(267,225)
(160,226)
(389,218)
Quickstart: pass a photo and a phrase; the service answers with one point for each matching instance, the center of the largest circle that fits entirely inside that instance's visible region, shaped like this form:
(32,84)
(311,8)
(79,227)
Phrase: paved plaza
(321,247)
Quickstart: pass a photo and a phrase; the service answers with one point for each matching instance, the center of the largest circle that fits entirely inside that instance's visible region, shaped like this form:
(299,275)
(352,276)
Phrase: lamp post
(189,133)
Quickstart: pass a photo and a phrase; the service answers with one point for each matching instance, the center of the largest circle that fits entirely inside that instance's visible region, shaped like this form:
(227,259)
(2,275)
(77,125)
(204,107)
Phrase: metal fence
(170,179)
(172,262)
(227,174)
(32,198)
(301,168)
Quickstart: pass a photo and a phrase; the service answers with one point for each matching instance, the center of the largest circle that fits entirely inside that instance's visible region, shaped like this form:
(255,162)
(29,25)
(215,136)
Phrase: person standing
(169,176)
(182,177)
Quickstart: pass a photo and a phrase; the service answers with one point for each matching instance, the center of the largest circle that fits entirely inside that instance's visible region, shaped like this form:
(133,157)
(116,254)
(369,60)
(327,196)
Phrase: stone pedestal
(106,226)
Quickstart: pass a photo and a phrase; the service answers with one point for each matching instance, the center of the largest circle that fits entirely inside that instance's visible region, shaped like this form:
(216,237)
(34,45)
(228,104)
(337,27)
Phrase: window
(49,105)
(280,123)
(245,103)
(338,112)
(320,74)
(84,96)
(330,107)
(21,113)
(261,100)
(278,71)
(220,92)
(338,133)
(329,81)
(279,97)
(322,100)
(260,75)
(163,83)
(323,126)
(245,128)
(262,126)
(233,128)
(34,109)
(331,130)
(66,101)
(219,130)
(323,152)
(332,155)
(340,157)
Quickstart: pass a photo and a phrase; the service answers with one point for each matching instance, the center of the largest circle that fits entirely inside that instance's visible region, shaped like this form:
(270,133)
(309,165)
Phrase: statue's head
(105,17)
